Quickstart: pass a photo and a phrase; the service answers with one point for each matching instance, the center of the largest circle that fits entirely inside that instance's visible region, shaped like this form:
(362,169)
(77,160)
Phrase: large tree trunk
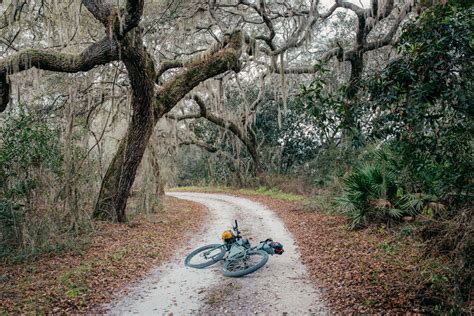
(147,109)
(348,119)
(251,145)
(155,166)
(121,173)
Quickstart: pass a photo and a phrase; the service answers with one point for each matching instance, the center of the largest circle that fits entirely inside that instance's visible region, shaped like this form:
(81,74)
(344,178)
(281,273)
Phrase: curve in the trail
(282,285)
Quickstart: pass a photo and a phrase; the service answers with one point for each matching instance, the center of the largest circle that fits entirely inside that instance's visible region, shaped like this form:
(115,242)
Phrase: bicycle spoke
(242,264)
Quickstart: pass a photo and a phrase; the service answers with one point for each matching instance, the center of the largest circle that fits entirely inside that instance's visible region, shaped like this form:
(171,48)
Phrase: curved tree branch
(353,7)
(167,65)
(184,116)
(215,63)
(99,53)
(246,136)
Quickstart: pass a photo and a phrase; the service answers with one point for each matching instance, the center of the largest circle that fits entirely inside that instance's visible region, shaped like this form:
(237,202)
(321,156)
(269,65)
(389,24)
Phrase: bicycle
(241,258)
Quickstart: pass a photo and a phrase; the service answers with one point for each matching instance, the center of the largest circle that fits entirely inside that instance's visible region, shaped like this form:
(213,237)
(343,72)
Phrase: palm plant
(371,192)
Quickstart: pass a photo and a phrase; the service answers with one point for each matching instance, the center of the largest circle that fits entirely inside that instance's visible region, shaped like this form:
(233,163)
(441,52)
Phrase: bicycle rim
(205,256)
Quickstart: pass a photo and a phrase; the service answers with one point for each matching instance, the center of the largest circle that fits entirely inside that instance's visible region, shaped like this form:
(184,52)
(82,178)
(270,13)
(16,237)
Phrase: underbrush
(43,195)
(80,280)
(451,240)
(296,185)
(48,186)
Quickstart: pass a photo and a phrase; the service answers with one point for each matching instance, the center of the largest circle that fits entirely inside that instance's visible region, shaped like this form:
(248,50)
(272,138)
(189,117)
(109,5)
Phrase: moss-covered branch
(216,62)
(99,53)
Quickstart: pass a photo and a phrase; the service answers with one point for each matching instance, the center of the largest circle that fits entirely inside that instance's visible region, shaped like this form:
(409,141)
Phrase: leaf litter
(119,254)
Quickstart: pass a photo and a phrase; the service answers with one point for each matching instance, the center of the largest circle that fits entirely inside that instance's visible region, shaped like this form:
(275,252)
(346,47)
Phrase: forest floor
(374,270)
(82,280)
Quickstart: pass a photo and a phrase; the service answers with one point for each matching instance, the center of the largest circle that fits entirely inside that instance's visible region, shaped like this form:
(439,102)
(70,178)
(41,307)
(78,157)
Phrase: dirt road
(282,285)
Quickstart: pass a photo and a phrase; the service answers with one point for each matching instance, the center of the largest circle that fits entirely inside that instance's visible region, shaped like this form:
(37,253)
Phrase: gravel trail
(281,286)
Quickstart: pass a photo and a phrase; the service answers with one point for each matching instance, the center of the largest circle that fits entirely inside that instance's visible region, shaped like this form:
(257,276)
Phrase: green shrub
(425,100)
(30,156)
(372,192)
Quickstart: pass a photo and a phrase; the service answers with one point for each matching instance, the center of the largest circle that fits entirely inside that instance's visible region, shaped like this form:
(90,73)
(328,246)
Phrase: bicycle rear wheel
(252,261)
(205,256)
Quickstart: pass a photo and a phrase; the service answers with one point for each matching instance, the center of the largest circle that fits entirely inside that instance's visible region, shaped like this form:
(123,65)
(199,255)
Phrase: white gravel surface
(281,286)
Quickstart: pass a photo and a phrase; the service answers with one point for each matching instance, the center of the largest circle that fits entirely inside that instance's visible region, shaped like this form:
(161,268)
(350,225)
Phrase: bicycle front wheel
(205,256)
(252,261)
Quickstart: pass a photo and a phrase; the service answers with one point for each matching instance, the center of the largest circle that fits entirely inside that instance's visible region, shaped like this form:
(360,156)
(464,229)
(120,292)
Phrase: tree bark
(120,175)
(155,165)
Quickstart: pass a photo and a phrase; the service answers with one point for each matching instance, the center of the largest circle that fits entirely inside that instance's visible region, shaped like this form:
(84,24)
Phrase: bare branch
(184,116)
(351,6)
(260,9)
(315,67)
(302,32)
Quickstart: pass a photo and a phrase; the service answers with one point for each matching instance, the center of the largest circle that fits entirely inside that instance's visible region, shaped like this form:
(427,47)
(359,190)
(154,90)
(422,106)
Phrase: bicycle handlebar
(236,228)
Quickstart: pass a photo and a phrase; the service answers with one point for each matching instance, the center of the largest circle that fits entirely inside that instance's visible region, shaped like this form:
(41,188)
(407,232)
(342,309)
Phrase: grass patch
(265,191)
(193,188)
(273,193)
(76,291)
(387,247)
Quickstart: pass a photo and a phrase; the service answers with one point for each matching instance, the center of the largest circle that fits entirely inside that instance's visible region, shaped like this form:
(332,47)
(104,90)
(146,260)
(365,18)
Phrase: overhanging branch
(354,55)
(99,53)
(215,63)
(200,144)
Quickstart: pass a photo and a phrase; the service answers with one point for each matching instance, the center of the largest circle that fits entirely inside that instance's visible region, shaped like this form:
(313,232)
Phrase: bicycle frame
(239,257)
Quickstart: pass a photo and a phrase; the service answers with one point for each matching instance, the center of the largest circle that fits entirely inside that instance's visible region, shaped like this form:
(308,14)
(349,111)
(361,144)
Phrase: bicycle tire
(214,259)
(253,268)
